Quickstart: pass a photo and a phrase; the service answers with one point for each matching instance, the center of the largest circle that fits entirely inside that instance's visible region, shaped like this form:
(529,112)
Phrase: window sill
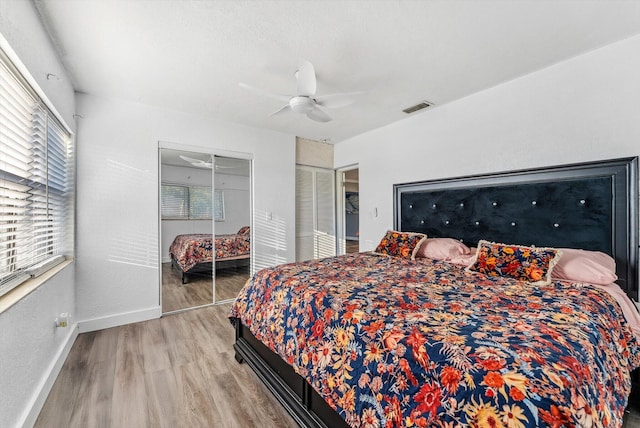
(27,287)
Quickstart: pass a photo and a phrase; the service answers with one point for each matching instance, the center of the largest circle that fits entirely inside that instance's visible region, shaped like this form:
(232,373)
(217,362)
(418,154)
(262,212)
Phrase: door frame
(341,216)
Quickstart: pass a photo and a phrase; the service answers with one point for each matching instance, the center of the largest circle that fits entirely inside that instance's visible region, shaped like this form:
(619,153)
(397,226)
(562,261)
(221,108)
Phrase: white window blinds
(35,186)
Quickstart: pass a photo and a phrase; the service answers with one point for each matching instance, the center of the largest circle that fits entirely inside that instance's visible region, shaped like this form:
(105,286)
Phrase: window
(180,202)
(175,201)
(200,206)
(36,198)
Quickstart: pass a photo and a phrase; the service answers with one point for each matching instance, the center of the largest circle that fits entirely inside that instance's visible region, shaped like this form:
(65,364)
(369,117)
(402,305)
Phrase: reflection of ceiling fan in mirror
(199,163)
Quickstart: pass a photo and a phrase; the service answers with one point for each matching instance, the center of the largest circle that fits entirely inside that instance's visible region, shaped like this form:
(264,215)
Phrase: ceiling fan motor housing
(301,104)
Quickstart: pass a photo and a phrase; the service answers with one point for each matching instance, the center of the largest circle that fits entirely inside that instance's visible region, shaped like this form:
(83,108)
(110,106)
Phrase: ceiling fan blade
(284,108)
(199,163)
(192,160)
(208,165)
(265,93)
(337,100)
(318,115)
(306,76)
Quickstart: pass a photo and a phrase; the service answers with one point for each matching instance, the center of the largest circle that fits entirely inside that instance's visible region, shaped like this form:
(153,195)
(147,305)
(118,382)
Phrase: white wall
(31,350)
(117,273)
(237,203)
(583,109)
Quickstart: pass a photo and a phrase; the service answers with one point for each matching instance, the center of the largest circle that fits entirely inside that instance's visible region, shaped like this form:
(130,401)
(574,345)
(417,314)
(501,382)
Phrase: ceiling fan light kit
(305,101)
(302,104)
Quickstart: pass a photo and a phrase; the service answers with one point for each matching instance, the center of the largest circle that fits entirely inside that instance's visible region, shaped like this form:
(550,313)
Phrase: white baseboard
(33,410)
(119,319)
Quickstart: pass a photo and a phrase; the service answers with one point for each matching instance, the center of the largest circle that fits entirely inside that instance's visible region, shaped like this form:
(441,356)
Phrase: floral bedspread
(390,342)
(189,250)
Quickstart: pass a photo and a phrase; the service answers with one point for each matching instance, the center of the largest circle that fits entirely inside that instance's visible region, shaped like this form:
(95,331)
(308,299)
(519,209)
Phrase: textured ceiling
(190,55)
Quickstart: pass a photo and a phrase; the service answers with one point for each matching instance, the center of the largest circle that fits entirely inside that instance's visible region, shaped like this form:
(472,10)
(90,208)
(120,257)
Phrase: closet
(205,227)
(315,213)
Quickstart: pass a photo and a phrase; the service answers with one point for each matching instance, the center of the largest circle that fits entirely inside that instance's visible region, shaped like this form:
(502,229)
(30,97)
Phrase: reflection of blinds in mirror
(218,205)
(191,203)
(200,206)
(174,201)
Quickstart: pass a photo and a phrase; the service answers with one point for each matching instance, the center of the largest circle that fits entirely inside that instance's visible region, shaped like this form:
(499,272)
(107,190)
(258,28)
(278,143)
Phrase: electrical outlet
(62,320)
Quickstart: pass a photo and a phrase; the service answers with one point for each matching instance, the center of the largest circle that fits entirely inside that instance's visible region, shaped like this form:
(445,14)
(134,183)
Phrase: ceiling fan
(199,163)
(305,101)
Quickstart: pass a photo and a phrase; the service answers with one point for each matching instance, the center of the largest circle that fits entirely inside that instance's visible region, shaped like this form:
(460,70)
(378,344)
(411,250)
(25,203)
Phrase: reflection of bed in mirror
(194,253)
(374,340)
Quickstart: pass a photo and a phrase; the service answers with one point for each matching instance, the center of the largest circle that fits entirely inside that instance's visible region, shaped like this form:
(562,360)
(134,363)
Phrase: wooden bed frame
(599,196)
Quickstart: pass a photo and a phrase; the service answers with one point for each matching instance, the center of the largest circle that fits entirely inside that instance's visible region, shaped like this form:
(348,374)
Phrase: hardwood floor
(198,290)
(230,281)
(352,246)
(176,371)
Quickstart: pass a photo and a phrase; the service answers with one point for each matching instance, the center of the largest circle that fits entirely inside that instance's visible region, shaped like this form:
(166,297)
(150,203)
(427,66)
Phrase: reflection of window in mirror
(218,205)
(191,203)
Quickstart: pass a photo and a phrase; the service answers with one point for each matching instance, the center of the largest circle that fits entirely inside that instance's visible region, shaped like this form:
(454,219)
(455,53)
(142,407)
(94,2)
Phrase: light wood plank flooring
(176,371)
(230,281)
(198,290)
(352,246)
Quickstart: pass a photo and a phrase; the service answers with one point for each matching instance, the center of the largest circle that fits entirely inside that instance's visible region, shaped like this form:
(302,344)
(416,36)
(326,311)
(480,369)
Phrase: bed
(193,253)
(372,340)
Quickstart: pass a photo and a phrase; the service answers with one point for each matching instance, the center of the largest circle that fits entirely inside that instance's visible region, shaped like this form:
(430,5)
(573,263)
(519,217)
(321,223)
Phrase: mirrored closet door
(186,228)
(232,212)
(205,214)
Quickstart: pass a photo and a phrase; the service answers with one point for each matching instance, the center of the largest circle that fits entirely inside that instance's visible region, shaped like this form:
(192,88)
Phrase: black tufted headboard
(592,206)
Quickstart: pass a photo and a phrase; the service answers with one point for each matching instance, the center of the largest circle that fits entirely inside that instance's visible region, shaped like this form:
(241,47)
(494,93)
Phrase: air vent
(422,105)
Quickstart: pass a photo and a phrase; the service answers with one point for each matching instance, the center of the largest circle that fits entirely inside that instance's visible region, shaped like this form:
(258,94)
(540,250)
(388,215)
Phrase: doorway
(205,233)
(348,209)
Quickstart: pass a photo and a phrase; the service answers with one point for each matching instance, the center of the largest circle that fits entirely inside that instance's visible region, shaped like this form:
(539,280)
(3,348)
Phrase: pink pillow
(593,267)
(442,249)
(464,259)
